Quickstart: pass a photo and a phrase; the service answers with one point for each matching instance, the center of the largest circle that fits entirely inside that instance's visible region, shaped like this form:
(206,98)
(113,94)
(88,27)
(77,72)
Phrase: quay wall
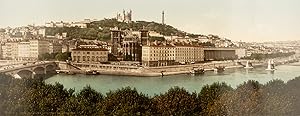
(121,70)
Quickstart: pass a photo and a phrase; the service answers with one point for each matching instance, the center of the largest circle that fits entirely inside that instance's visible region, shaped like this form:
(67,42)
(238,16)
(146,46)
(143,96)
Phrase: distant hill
(137,25)
(101,29)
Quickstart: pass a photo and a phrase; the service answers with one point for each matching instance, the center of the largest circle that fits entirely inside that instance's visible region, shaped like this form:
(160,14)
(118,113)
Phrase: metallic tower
(163,17)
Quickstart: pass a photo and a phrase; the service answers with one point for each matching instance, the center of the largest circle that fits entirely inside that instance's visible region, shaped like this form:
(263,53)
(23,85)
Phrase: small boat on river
(92,72)
(219,69)
(197,71)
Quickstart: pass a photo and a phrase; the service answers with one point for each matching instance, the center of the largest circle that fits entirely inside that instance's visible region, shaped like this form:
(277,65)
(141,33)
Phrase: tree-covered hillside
(101,29)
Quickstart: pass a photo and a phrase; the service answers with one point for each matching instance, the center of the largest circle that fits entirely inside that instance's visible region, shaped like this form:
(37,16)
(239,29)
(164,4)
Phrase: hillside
(101,29)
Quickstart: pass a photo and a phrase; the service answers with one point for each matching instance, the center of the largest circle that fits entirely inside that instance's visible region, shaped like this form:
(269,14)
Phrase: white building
(158,55)
(42,32)
(241,53)
(38,47)
(79,24)
(24,51)
(10,50)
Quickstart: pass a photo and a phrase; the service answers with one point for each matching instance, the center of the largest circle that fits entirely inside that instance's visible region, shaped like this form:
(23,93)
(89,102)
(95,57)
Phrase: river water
(157,85)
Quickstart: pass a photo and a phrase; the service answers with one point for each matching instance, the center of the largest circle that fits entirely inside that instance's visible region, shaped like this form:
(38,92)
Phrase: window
(83,58)
(93,58)
(88,58)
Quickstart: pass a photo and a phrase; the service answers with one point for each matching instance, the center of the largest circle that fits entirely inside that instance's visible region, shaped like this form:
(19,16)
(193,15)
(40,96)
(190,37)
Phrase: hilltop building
(125,17)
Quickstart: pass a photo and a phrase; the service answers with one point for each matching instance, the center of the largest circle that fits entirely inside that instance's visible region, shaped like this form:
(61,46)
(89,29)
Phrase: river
(157,85)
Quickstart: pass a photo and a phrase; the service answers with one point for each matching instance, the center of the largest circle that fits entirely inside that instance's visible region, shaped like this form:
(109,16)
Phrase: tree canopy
(35,97)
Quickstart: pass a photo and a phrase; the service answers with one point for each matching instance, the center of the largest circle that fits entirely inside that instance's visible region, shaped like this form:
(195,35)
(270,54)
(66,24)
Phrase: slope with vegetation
(101,29)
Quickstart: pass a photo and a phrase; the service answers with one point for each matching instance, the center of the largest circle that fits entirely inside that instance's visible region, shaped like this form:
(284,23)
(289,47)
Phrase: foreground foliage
(34,97)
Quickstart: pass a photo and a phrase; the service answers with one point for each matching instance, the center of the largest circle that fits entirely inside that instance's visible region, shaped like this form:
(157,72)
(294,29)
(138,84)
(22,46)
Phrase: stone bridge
(32,70)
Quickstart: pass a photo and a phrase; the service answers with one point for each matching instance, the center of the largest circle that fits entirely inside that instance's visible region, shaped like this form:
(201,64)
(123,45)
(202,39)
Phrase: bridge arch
(25,73)
(50,68)
(39,70)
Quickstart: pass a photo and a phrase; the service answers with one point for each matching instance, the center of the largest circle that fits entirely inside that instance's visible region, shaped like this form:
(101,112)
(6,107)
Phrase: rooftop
(89,49)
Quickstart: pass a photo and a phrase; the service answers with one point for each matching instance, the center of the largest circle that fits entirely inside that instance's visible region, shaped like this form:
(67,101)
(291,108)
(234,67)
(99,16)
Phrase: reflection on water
(156,85)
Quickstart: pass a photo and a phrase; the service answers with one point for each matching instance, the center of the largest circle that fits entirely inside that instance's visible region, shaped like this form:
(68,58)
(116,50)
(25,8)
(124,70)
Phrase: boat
(219,69)
(248,65)
(92,72)
(271,65)
(198,71)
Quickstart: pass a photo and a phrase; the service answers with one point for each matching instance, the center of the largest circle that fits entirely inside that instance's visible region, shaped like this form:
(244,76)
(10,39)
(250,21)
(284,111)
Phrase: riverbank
(157,85)
(168,70)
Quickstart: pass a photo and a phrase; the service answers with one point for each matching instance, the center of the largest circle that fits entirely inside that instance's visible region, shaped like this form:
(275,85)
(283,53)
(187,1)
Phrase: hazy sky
(246,20)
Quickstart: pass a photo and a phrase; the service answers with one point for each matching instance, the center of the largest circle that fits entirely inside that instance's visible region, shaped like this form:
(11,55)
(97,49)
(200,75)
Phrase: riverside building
(171,54)
(29,50)
(89,55)
(183,53)
(188,53)
(158,55)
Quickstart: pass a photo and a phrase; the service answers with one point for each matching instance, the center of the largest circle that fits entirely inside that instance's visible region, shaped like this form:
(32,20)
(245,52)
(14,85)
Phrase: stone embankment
(168,70)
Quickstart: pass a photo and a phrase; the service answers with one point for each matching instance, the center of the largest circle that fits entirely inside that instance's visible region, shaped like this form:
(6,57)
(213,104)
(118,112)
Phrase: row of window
(162,51)
(173,58)
(162,54)
(159,48)
(100,53)
(156,59)
(97,59)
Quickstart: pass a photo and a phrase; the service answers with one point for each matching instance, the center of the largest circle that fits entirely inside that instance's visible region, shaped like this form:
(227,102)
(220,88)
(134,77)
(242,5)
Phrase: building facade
(211,54)
(55,48)
(89,55)
(10,51)
(241,53)
(127,45)
(165,54)
(24,51)
(29,50)
(38,47)
(188,53)
(158,55)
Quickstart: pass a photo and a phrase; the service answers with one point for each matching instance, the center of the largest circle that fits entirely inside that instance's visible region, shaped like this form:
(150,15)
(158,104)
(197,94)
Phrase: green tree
(126,101)
(87,101)
(63,56)
(209,95)
(177,101)
(275,101)
(244,100)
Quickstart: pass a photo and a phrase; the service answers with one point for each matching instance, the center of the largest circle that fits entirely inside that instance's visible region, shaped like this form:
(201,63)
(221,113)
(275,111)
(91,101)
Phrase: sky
(238,20)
